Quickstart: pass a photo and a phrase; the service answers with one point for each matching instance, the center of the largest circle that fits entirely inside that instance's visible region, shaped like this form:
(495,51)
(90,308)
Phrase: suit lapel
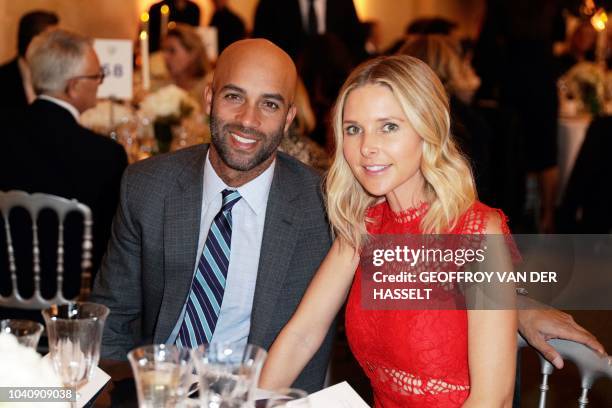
(182,212)
(278,244)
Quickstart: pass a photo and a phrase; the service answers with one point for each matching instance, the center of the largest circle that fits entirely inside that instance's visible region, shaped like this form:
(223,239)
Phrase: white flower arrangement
(24,367)
(99,117)
(586,82)
(168,105)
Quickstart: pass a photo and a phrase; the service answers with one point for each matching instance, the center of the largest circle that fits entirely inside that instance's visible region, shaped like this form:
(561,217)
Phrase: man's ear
(290,116)
(208,95)
(72,88)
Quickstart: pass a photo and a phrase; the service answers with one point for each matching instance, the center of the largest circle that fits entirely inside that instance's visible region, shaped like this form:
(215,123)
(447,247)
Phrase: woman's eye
(390,127)
(351,130)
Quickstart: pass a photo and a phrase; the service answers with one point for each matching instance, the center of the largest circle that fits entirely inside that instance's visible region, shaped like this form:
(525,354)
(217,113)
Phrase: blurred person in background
(230,26)
(291,24)
(48,151)
(180,11)
(186,61)
(297,142)
(581,47)
(469,129)
(17,91)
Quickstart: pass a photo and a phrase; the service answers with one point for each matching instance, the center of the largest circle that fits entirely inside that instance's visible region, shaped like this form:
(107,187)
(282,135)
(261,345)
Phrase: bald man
(172,237)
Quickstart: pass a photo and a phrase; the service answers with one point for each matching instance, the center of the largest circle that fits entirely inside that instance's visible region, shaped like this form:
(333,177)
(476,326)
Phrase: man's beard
(220,134)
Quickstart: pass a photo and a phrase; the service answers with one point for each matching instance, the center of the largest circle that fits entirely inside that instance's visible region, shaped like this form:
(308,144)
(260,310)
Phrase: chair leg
(583,401)
(543,390)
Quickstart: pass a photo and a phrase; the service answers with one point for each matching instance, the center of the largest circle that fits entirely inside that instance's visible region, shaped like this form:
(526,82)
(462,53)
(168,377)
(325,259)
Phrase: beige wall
(118,18)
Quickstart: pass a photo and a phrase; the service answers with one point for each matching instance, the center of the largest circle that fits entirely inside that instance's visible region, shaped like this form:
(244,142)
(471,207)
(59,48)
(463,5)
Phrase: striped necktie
(208,285)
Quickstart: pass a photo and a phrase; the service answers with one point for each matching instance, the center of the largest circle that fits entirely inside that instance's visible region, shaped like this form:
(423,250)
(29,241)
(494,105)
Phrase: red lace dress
(413,358)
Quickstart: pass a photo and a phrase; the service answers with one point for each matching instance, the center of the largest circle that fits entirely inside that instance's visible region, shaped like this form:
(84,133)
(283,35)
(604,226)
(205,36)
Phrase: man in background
(15,82)
(48,151)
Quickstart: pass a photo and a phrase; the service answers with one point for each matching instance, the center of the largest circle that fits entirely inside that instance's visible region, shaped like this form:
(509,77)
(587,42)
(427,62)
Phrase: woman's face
(381,147)
(179,60)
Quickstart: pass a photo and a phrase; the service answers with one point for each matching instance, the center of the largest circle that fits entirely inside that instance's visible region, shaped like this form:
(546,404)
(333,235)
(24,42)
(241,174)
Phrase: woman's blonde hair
(448,178)
(192,42)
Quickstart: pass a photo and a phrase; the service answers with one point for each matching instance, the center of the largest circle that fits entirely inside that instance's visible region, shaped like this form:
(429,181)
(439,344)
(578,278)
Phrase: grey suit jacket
(146,273)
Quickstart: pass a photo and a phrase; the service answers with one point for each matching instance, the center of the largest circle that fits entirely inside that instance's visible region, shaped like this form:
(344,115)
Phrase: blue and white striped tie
(208,285)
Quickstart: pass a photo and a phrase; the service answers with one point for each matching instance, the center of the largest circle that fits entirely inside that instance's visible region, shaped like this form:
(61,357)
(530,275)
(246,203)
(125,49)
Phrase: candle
(144,21)
(144,58)
(599,22)
(165,14)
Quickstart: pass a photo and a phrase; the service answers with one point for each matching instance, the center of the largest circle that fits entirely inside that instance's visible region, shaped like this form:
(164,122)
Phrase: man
(279,232)
(230,27)
(48,151)
(290,24)
(17,91)
(159,257)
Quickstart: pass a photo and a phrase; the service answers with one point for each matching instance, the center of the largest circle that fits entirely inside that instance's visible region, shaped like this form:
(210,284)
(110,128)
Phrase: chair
(34,204)
(590,365)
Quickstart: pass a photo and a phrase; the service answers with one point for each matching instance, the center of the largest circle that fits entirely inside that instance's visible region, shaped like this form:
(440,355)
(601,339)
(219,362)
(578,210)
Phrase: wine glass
(75,333)
(289,397)
(162,374)
(27,332)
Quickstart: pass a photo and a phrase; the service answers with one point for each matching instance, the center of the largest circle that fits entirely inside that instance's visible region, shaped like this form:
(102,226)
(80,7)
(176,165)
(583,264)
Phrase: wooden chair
(34,204)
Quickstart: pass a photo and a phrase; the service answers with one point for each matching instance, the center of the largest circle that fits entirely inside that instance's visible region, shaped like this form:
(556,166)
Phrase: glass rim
(39,327)
(50,313)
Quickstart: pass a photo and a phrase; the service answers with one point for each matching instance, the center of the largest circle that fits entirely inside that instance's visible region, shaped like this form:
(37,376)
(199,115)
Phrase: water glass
(162,374)
(288,397)
(27,332)
(75,333)
(228,373)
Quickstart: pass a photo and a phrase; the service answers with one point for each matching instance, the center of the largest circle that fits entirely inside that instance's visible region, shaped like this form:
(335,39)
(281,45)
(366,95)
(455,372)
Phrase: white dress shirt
(248,217)
(320,7)
(73,111)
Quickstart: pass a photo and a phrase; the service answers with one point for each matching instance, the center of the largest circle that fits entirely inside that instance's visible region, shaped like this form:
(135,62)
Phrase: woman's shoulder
(481,219)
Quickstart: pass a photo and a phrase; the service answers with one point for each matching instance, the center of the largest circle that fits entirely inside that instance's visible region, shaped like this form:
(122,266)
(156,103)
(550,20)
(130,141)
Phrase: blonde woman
(397,171)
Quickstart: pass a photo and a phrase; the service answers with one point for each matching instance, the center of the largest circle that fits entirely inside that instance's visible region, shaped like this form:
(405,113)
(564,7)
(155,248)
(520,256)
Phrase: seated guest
(467,126)
(17,91)
(186,60)
(581,48)
(48,151)
(230,27)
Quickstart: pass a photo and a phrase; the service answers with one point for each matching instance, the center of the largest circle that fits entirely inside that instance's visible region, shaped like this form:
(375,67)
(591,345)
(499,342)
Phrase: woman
(397,171)
(186,60)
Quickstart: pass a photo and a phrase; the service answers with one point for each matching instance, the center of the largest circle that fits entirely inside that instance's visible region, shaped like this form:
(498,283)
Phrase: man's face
(250,110)
(83,88)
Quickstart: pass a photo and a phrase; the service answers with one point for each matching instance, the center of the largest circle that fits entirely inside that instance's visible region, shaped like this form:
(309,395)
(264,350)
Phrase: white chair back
(34,204)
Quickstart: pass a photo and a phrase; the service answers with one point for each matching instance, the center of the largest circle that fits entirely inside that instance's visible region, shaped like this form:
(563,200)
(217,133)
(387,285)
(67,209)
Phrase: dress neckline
(410,214)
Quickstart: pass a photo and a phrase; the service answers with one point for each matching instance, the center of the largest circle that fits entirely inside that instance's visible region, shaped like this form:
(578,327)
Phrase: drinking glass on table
(228,373)
(75,333)
(27,332)
(162,374)
(289,397)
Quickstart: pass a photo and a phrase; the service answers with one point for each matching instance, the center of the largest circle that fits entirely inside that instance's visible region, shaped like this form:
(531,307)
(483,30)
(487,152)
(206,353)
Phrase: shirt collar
(73,111)
(255,192)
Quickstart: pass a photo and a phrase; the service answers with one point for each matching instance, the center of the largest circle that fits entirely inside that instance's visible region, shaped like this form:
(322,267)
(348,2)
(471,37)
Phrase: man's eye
(351,130)
(271,105)
(232,97)
(390,127)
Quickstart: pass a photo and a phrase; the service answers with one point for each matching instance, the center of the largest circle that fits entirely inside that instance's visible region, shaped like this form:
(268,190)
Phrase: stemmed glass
(162,373)
(228,373)
(288,397)
(27,332)
(75,333)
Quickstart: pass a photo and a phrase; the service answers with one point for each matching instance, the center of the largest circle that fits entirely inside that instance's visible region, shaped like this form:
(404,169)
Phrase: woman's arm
(302,336)
(492,342)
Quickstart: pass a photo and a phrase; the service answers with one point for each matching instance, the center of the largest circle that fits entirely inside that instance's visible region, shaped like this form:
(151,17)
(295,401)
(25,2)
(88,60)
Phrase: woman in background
(397,171)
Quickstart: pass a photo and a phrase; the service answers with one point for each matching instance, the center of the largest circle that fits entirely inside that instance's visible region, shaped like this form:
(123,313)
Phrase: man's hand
(539,325)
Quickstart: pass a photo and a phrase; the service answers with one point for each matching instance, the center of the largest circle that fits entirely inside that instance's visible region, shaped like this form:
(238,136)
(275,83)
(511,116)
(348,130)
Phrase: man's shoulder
(169,166)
